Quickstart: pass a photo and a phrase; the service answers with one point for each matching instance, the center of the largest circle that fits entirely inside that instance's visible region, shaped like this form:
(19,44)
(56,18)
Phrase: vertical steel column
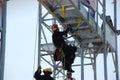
(95,72)
(39,33)
(79,4)
(82,63)
(96,15)
(3,39)
(54,70)
(105,43)
(116,53)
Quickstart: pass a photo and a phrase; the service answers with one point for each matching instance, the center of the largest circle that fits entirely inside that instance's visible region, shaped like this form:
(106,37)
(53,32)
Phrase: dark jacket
(37,75)
(58,39)
(46,77)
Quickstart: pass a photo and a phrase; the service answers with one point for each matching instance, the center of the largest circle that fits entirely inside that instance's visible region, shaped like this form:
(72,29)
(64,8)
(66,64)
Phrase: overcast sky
(22,20)
(20,40)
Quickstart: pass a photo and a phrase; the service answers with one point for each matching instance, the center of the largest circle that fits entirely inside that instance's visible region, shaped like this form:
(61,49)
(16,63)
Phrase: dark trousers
(69,58)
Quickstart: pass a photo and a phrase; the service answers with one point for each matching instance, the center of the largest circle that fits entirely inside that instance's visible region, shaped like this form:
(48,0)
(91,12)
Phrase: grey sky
(20,41)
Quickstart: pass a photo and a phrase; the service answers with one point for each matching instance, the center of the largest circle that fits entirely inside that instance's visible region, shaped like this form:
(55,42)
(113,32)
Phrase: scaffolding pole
(3,39)
(39,33)
(116,52)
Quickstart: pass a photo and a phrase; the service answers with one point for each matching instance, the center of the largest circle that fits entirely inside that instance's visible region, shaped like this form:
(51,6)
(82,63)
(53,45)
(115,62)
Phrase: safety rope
(63,11)
(92,28)
(79,21)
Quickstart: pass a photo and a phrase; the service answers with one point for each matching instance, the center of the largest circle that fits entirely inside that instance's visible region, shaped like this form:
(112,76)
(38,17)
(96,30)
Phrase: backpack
(58,55)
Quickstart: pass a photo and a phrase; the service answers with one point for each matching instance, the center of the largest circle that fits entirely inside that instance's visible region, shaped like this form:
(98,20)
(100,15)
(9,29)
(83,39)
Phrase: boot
(69,69)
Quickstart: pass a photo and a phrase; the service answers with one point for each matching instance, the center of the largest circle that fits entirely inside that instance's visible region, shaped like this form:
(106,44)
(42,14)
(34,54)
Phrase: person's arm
(37,74)
(64,33)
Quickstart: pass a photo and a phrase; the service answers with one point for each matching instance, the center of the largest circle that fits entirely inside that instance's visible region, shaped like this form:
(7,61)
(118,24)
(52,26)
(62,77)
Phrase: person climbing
(37,74)
(69,76)
(67,51)
(47,74)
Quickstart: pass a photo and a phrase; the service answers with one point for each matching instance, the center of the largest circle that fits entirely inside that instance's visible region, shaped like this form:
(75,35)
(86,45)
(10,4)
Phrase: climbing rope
(79,21)
(63,11)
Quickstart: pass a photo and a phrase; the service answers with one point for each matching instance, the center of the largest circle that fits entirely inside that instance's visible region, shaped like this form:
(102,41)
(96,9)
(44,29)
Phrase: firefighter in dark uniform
(37,74)
(47,74)
(60,44)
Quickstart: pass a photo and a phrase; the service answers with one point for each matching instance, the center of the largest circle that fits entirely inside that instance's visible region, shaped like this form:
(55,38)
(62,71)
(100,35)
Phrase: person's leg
(73,50)
(69,58)
(69,67)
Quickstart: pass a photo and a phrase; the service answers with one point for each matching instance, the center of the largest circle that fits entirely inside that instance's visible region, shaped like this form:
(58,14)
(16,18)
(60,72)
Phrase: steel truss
(90,39)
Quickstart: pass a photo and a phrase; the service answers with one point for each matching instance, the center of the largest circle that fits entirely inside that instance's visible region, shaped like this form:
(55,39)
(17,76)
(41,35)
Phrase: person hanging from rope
(67,52)
(37,74)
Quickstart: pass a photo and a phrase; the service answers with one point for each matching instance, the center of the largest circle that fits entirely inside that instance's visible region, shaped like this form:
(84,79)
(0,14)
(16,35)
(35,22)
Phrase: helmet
(47,70)
(55,27)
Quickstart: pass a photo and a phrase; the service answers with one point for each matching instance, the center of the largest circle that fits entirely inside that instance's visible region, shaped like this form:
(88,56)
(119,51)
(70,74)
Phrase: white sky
(20,40)
(22,20)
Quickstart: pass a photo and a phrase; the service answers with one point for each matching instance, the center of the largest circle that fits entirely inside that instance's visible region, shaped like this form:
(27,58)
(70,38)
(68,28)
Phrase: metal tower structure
(3,4)
(95,31)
